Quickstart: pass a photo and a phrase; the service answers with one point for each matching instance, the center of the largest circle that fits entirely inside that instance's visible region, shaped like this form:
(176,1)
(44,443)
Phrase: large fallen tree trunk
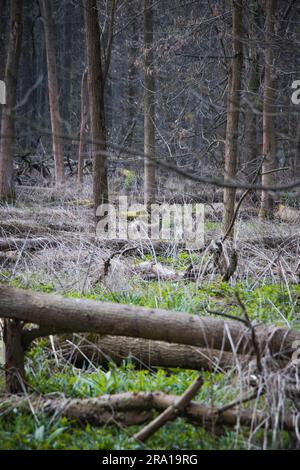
(136,408)
(100,350)
(56,314)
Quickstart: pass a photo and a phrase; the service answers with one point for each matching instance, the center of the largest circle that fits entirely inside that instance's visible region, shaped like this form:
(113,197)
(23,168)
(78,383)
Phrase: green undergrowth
(25,430)
(20,429)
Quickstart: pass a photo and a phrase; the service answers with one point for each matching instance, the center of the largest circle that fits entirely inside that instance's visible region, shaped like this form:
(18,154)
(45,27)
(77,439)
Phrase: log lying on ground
(10,244)
(136,408)
(23,227)
(100,350)
(272,242)
(56,314)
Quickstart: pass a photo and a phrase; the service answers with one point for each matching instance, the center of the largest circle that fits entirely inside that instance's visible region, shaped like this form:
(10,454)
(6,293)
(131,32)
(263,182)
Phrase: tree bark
(3,5)
(149,105)
(83,124)
(8,119)
(269,141)
(3,28)
(100,350)
(249,156)
(233,105)
(136,408)
(47,14)
(132,106)
(56,315)
(14,356)
(96,102)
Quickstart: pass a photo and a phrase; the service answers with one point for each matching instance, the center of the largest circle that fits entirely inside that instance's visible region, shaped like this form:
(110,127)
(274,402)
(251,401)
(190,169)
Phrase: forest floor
(71,261)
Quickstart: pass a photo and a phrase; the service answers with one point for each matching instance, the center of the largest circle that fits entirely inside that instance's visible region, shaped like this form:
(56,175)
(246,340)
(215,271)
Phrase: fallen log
(137,408)
(100,350)
(22,227)
(56,314)
(10,244)
(270,242)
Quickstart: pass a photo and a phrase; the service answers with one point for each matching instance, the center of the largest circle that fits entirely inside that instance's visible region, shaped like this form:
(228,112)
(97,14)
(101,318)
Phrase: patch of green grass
(22,432)
(209,225)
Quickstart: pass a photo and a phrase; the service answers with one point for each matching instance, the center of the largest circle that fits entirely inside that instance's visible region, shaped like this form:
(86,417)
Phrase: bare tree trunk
(233,106)
(8,120)
(296,152)
(47,14)
(251,147)
(3,7)
(149,105)
(133,108)
(14,356)
(269,143)
(96,102)
(83,124)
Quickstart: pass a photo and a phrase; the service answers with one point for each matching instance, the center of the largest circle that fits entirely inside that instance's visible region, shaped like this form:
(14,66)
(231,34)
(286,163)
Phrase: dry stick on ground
(171,412)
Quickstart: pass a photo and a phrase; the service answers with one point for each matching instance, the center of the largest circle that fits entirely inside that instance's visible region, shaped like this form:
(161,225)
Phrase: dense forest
(149,224)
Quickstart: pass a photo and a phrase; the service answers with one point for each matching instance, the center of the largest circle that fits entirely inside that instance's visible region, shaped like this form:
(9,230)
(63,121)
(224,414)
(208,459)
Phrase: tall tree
(96,101)
(149,104)
(233,105)
(12,328)
(83,123)
(3,5)
(269,141)
(132,108)
(47,15)
(8,120)
(251,147)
